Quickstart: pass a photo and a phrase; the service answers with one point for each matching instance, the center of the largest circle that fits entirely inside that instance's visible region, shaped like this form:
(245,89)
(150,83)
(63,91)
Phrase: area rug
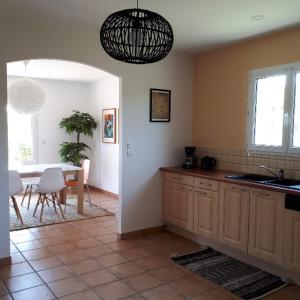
(245,281)
(49,216)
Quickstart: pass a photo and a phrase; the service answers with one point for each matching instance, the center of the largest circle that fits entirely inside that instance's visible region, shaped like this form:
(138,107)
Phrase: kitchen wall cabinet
(178,205)
(266,225)
(292,240)
(206,213)
(234,216)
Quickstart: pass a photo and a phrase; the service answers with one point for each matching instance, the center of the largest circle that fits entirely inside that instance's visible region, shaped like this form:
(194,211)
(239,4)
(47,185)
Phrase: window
(21,138)
(274,109)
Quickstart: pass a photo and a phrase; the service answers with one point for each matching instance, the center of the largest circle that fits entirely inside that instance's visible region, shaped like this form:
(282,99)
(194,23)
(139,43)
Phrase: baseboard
(5,261)
(141,232)
(116,196)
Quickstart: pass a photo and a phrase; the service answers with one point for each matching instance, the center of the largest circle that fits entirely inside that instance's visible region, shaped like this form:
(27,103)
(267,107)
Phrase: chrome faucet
(279,175)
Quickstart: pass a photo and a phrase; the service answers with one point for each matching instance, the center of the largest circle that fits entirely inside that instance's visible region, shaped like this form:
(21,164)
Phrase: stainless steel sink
(267,180)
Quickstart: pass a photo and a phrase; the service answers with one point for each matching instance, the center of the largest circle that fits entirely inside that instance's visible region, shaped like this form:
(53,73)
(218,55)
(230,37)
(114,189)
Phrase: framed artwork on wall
(109,125)
(160,105)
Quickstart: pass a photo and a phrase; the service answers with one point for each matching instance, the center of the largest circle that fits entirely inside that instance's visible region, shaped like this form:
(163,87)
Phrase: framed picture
(109,125)
(160,105)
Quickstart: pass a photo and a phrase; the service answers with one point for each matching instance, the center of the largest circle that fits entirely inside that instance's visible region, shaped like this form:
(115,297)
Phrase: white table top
(40,168)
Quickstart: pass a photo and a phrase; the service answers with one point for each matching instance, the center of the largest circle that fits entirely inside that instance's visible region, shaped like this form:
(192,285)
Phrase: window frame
(290,70)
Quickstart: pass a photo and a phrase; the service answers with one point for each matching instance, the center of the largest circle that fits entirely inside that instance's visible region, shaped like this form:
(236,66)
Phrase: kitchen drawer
(178,178)
(206,184)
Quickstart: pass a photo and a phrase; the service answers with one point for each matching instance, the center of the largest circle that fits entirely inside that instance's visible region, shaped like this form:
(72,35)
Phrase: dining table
(36,170)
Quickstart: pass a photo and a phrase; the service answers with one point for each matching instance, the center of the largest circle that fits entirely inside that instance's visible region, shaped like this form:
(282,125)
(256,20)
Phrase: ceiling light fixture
(136,36)
(257,17)
(25,95)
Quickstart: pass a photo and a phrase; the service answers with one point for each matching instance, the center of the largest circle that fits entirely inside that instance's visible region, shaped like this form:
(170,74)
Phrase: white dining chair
(52,181)
(15,188)
(30,184)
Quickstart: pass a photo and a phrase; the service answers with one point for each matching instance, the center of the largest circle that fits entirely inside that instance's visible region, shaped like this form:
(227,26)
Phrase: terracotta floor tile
(37,254)
(46,263)
(114,291)
(67,286)
(85,266)
(99,277)
(151,262)
(135,297)
(126,270)
(74,237)
(32,245)
(191,286)
(36,293)
(98,232)
(48,233)
(23,282)
(111,260)
(143,282)
(167,274)
(55,240)
(13,249)
(72,257)
(98,251)
(22,237)
(217,294)
(120,245)
(134,253)
(55,274)
(3,289)
(107,238)
(16,258)
(87,243)
(163,293)
(62,248)
(15,270)
(85,295)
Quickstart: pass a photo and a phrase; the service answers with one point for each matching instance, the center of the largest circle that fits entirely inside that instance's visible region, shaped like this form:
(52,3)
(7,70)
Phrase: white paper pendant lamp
(26,96)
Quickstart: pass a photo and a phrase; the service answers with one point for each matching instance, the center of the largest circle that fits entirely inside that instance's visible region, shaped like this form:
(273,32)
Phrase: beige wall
(221,86)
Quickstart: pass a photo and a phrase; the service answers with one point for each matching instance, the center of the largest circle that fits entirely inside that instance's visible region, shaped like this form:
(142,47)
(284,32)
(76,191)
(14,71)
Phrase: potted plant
(78,123)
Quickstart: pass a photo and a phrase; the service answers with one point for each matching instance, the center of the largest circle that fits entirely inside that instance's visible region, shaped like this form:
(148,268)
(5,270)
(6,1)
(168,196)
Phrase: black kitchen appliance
(208,163)
(191,160)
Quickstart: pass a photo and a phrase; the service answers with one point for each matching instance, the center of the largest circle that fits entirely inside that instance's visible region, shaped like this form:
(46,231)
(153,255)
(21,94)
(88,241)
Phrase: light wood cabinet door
(234,216)
(292,240)
(178,205)
(266,225)
(206,213)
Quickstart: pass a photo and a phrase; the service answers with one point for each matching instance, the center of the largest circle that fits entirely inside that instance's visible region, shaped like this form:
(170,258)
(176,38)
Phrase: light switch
(129,149)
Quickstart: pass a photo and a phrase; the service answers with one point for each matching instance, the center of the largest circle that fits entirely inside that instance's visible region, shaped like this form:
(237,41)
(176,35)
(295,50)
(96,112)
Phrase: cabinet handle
(209,184)
(176,178)
(262,194)
(234,188)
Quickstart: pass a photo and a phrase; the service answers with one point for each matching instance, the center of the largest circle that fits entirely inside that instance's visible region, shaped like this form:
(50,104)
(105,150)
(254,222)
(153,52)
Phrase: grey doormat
(245,281)
(49,216)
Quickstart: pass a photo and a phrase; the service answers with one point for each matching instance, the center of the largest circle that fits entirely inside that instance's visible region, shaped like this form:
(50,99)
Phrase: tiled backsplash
(249,162)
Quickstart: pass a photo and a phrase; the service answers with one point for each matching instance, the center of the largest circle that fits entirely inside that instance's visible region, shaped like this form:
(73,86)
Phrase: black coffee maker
(191,160)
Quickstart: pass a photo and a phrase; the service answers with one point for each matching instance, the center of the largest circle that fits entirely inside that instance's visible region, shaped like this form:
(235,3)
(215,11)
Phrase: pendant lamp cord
(137,4)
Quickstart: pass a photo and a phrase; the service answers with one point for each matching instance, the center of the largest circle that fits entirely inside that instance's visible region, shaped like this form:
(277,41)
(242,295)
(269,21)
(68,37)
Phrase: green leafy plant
(78,123)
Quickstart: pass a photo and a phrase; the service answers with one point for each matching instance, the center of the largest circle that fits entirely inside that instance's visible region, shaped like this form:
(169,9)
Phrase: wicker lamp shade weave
(136,36)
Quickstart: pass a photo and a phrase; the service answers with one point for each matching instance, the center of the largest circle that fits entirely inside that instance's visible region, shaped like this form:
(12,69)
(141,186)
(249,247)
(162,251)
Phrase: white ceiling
(198,24)
(56,69)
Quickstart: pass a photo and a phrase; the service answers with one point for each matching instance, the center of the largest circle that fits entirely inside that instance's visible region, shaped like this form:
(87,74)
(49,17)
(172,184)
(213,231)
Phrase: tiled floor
(83,260)
(108,203)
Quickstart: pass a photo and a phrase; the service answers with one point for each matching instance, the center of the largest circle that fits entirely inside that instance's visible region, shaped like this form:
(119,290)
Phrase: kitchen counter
(219,175)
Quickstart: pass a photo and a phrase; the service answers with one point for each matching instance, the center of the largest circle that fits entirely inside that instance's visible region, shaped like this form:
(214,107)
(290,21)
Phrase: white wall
(105,170)
(155,144)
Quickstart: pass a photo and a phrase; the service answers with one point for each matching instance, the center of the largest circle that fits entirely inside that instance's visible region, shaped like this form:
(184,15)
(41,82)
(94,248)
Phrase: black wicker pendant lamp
(136,36)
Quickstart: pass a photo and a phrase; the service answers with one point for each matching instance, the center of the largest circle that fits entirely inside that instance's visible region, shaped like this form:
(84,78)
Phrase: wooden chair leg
(42,210)
(58,203)
(37,204)
(30,193)
(54,205)
(15,204)
(25,193)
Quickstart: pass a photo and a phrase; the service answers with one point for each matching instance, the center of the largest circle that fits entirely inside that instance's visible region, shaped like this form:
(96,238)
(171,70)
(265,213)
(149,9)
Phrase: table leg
(80,191)
(62,196)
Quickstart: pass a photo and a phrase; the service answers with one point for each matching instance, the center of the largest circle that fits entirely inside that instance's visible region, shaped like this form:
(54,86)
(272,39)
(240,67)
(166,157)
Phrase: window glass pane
(269,110)
(20,140)
(296,133)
